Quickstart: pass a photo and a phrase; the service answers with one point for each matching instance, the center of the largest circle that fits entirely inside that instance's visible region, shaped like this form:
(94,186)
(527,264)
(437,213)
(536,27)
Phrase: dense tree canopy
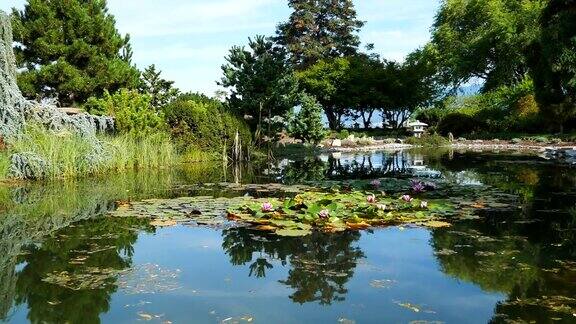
(71,50)
(554,61)
(485,39)
(325,80)
(319,29)
(261,82)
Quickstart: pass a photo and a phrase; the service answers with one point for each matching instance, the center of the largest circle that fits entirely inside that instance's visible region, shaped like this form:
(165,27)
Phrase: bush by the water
(201,123)
(432,140)
(133,112)
(507,109)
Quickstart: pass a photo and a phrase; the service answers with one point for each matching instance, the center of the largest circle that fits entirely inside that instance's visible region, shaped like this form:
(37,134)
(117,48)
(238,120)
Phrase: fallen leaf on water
(437,224)
(266,228)
(414,308)
(145,317)
(384,283)
(163,223)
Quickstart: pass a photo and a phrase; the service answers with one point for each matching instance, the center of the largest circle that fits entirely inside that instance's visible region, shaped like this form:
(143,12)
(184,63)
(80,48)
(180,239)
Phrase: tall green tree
(71,50)
(554,62)
(261,82)
(485,39)
(319,29)
(161,90)
(362,90)
(325,80)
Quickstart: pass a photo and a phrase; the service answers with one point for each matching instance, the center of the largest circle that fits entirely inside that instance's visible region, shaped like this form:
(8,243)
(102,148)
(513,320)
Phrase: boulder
(336,143)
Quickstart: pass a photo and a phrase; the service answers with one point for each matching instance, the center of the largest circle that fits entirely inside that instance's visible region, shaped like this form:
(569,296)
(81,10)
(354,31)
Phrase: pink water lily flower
(267,207)
(371,199)
(407,198)
(376,183)
(324,213)
(423,204)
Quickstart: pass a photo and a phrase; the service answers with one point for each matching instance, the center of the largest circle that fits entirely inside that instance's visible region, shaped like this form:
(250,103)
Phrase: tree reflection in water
(529,255)
(349,166)
(321,264)
(76,253)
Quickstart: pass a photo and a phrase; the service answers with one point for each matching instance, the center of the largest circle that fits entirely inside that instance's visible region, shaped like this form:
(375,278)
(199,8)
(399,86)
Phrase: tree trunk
(332,118)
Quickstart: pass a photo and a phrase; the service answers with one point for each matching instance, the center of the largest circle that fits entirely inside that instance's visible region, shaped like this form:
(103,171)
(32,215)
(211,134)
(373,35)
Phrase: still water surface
(507,267)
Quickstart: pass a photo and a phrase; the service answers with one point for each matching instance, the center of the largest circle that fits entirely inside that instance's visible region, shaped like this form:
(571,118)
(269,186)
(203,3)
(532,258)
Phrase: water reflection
(71,277)
(320,264)
(353,166)
(528,255)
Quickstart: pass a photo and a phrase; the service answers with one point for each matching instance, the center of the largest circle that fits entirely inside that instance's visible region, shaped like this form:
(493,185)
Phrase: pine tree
(161,90)
(71,50)
(307,125)
(319,29)
(261,83)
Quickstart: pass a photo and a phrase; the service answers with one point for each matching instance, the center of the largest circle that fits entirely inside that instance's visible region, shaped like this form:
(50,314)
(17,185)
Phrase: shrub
(428,140)
(198,122)
(133,112)
(458,124)
(506,109)
(343,134)
(307,124)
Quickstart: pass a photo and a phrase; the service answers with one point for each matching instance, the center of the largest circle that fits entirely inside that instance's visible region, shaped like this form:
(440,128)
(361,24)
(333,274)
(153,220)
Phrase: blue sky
(188,39)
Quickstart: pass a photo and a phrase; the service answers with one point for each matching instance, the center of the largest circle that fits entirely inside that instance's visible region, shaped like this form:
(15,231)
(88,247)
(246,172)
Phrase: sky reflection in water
(505,266)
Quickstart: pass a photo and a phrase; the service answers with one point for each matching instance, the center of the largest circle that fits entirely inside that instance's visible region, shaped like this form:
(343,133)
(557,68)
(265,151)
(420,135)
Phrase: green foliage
(133,112)
(459,124)
(71,50)
(70,155)
(360,85)
(161,91)
(506,109)
(325,80)
(319,30)
(201,123)
(485,39)
(343,134)
(433,140)
(553,58)
(261,82)
(307,125)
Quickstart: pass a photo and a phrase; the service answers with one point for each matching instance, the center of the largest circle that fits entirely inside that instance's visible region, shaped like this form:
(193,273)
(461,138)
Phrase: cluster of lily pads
(338,207)
(338,211)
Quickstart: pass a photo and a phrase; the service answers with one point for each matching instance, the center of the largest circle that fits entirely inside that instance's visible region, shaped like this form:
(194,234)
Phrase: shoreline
(526,146)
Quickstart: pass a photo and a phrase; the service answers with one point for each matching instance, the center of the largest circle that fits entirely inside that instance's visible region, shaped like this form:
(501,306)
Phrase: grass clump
(66,154)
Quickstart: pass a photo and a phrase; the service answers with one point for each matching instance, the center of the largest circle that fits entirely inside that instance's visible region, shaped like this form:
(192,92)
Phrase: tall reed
(69,155)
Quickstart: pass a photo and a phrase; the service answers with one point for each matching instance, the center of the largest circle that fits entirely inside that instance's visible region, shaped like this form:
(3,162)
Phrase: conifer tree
(71,50)
(160,90)
(319,29)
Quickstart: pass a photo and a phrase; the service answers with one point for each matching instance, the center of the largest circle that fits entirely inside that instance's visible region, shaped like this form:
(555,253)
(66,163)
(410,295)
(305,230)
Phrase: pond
(63,258)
